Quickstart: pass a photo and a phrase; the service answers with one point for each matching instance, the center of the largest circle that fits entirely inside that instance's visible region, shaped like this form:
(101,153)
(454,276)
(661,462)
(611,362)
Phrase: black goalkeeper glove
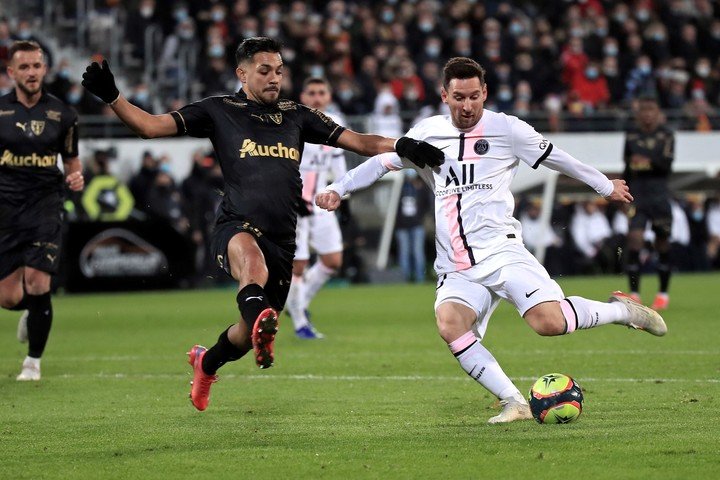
(100,81)
(420,153)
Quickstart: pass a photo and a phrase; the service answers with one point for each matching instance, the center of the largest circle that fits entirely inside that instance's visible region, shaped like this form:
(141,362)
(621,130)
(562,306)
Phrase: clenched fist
(329,200)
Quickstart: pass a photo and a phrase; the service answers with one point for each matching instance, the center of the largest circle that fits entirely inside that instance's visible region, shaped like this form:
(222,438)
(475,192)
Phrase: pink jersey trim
(461,258)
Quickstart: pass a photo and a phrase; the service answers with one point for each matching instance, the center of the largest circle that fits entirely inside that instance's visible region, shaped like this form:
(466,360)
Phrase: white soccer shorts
(319,232)
(512,273)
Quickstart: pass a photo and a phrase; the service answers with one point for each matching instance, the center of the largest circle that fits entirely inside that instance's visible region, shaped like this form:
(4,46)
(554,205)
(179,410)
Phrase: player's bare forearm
(144,124)
(621,192)
(365,144)
(328,200)
(73,174)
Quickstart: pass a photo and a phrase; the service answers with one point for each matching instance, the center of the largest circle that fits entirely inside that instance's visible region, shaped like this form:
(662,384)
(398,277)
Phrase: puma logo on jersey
(21,126)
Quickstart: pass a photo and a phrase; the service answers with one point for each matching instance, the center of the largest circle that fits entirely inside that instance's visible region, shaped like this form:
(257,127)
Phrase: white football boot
(641,317)
(512,410)
(22,334)
(30,371)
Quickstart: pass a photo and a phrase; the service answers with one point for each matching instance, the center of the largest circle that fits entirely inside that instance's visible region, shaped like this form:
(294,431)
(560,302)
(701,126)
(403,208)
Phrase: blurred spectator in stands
(674,95)
(432,51)
(386,119)
(711,40)
(695,213)
(139,19)
(140,97)
(6,41)
(61,83)
(705,78)
(141,182)
(573,60)
(219,78)
(181,42)
(534,235)
(83,101)
(640,80)
(504,98)
(680,238)
(409,227)
(591,232)
(699,115)
(24,31)
(553,109)
(595,41)
(656,42)
(615,84)
(164,201)
(591,88)
(631,53)
(686,45)
(348,99)
(201,194)
(247,28)
(712,216)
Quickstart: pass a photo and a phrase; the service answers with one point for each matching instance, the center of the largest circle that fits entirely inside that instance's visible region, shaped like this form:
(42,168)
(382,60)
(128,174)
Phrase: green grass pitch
(380,397)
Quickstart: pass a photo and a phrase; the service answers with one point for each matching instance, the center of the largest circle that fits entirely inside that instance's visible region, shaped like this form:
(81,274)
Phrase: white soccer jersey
(473,202)
(319,163)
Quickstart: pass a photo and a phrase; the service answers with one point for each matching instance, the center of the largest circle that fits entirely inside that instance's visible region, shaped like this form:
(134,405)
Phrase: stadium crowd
(559,60)
(566,59)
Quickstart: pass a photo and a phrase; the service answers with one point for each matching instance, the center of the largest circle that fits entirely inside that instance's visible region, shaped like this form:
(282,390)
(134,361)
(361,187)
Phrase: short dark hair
(315,81)
(250,46)
(24,46)
(462,68)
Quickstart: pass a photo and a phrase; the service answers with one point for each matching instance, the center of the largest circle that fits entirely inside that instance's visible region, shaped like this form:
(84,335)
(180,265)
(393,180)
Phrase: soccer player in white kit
(480,255)
(319,229)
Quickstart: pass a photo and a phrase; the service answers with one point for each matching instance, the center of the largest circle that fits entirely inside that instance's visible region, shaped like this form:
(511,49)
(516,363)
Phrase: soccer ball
(555,398)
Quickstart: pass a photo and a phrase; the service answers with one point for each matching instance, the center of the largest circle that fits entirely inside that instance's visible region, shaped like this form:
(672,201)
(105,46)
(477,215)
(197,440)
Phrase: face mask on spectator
(524,96)
(334,31)
(463,33)
(181,15)
(425,26)
(388,16)
(577,32)
(216,51)
(601,31)
(24,34)
(698,94)
(272,32)
(505,95)
(147,12)
(702,70)
(432,50)
(142,96)
(610,72)
(516,28)
(411,94)
(658,36)
(492,35)
(288,55)
(250,33)
(697,215)
(592,73)
(73,97)
(345,95)
(642,15)
(317,71)
(274,15)
(64,73)
(645,68)
(610,50)
(218,16)
(298,16)
(186,34)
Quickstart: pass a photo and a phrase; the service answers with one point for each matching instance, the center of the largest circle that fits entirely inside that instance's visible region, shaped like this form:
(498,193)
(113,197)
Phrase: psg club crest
(481,146)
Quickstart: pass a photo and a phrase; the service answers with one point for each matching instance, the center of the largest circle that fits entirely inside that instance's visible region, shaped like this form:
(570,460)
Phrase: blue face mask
(24,34)
(216,51)
(64,73)
(425,26)
(592,73)
(432,50)
(345,95)
(504,95)
(74,97)
(142,97)
(181,15)
(388,16)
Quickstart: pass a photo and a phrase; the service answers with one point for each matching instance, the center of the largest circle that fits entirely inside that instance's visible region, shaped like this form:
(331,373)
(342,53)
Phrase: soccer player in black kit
(34,128)
(258,139)
(649,153)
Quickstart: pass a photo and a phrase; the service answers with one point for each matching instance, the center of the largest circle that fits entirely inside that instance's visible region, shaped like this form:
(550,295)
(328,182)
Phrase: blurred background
(571,68)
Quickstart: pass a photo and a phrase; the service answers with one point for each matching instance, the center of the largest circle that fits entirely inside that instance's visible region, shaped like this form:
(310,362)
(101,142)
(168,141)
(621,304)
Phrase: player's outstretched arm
(419,152)
(99,80)
(329,200)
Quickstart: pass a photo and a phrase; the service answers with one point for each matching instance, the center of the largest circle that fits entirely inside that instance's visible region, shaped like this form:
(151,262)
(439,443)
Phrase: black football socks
(39,321)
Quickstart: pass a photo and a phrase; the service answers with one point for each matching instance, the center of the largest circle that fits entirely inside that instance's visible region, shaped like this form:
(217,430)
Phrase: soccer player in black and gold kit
(258,139)
(34,128)
(649,153)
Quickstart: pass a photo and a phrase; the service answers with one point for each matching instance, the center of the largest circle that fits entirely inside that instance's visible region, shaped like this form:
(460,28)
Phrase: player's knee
(37,283)
(333,261)
(449,327)
(546,322)
(10,300)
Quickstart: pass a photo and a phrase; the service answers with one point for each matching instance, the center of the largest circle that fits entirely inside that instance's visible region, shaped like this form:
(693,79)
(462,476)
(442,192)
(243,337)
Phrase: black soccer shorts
(657,212)
(37,247)
(278,258)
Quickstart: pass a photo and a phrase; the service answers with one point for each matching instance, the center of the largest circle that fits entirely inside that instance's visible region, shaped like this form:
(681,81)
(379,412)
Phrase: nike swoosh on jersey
(528,295)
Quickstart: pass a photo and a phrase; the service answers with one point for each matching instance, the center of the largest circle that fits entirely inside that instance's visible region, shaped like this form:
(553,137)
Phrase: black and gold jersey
(259,148)
(30,141)
(648,179)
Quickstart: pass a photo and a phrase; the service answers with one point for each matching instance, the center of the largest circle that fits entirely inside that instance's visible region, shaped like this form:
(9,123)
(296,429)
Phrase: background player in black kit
(34,128)
(258,139)
(649,152)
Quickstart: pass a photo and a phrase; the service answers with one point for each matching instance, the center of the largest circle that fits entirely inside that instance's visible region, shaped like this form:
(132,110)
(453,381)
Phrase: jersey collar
(43,96)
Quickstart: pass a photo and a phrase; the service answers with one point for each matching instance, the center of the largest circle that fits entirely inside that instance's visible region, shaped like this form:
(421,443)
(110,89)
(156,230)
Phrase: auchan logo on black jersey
(34,160)
(279,150)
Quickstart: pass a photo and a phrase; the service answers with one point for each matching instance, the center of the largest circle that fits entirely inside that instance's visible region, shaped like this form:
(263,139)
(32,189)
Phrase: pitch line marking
(374,378)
